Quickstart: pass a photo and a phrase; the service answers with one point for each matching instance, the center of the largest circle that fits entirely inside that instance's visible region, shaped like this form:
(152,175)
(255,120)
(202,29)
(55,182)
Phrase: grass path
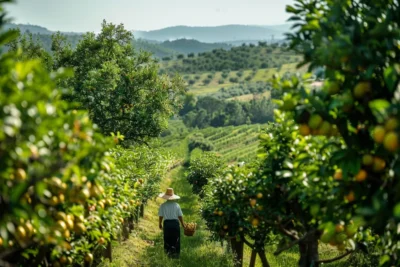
(145,246)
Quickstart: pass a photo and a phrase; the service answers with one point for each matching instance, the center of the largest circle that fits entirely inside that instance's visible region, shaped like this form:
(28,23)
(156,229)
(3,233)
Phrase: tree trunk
(303,261)
(125,230)
(253,258)
(131,223)
(142,210)
(107,252)
(237,248)
(263,258)
(313,255)
(309,251)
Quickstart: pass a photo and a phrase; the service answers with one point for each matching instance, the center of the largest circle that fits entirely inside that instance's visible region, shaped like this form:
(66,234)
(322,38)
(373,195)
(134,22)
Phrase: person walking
(170,212)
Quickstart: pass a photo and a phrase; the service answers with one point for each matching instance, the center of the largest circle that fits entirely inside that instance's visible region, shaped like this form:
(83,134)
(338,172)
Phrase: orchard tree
(120,87)
(357,45)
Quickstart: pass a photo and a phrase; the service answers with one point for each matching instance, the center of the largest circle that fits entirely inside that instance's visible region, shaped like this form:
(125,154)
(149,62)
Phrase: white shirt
(170,210)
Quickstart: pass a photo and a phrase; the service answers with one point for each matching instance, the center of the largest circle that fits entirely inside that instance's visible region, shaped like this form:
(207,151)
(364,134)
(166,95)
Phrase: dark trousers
(172,238)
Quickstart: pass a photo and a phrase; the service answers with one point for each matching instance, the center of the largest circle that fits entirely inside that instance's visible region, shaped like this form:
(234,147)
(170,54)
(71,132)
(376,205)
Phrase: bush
(233,80)
(221,81)
(206,81)
(203,168)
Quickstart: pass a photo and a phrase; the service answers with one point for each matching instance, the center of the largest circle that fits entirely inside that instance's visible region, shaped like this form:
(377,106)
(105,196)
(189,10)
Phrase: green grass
(261,75)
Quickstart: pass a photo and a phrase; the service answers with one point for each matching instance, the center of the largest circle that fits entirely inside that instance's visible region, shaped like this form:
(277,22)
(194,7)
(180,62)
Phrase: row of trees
(329,165)
(237,58)
(66,189)
(209,111)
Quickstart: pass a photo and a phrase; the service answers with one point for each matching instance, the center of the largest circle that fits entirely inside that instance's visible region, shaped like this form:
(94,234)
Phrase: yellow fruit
(339,228)
(391,124)
(101,240)
(350,197)
(62,225)
(61,198)
(67,234)
(253,202)
(260,208)
(259,195)
(367,160)
(21,232)
(225,226)
(255,222)
(304,129)
(240,229)
(88,257)
(361,89)
(63,260)
(1,241)
(333,88)
(325,128)
(379,134)
(70,223)
(378,165)
(391,142)
(315,121)
(220,213)
(361,176)
(20,174)
(79,228)
(338,175)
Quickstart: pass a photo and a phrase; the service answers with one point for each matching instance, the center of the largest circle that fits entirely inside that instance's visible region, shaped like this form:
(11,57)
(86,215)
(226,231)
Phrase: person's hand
(160,226)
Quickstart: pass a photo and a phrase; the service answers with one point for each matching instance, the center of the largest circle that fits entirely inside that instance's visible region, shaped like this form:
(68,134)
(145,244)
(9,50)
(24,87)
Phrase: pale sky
(87,15)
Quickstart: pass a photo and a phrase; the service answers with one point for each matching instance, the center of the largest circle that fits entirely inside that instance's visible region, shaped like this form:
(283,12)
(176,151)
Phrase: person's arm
(181,220)
(160,218)
(180,216)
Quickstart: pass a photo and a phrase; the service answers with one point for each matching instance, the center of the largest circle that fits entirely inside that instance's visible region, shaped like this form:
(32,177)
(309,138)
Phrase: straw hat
(169,195)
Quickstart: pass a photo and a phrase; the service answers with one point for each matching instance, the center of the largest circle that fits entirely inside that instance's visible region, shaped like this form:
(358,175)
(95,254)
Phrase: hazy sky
(87,15)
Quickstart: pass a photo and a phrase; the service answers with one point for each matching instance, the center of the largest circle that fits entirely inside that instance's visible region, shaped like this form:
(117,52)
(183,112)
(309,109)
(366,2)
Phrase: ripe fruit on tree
(259,195)
(325,128)
(333,88)
(361,176)
(391,124)
(338,175)
(255,222)
(304,129)
(367,160)
(361,89)
(339,228)
(20,174)
(225,226)
(101,240)
(220,213)
(315,121)
(379,134)
(253,202)
(391,142)
(350,197)
(378,165)
(89,257)
(1,241)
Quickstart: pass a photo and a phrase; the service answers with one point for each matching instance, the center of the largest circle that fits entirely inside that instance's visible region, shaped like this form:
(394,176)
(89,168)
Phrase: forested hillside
(243,57)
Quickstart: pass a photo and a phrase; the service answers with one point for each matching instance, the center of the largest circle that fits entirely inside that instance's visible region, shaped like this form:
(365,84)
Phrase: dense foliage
(209,111)
(66,191)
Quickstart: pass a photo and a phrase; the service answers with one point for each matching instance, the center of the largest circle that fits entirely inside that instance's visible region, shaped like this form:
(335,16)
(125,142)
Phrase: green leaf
(390,76)
(396,210)
(379,105)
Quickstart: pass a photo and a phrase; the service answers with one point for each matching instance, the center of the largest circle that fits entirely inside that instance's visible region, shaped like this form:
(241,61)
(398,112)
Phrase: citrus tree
(357,45)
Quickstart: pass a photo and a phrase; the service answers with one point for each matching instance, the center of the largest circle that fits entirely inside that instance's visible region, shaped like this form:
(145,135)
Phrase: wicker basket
(190,231)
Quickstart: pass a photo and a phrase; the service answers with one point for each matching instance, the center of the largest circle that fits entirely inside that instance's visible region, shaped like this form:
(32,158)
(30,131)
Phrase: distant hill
(217,34)
(185,46)
(28,28)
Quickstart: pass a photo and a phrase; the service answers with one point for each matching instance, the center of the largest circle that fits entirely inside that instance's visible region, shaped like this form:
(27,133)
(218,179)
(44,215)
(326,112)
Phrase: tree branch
(336,258)
(248,243)
(292,244)
(287,233)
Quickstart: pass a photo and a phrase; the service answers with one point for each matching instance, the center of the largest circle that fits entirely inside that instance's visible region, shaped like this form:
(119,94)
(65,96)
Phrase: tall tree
(120,87)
